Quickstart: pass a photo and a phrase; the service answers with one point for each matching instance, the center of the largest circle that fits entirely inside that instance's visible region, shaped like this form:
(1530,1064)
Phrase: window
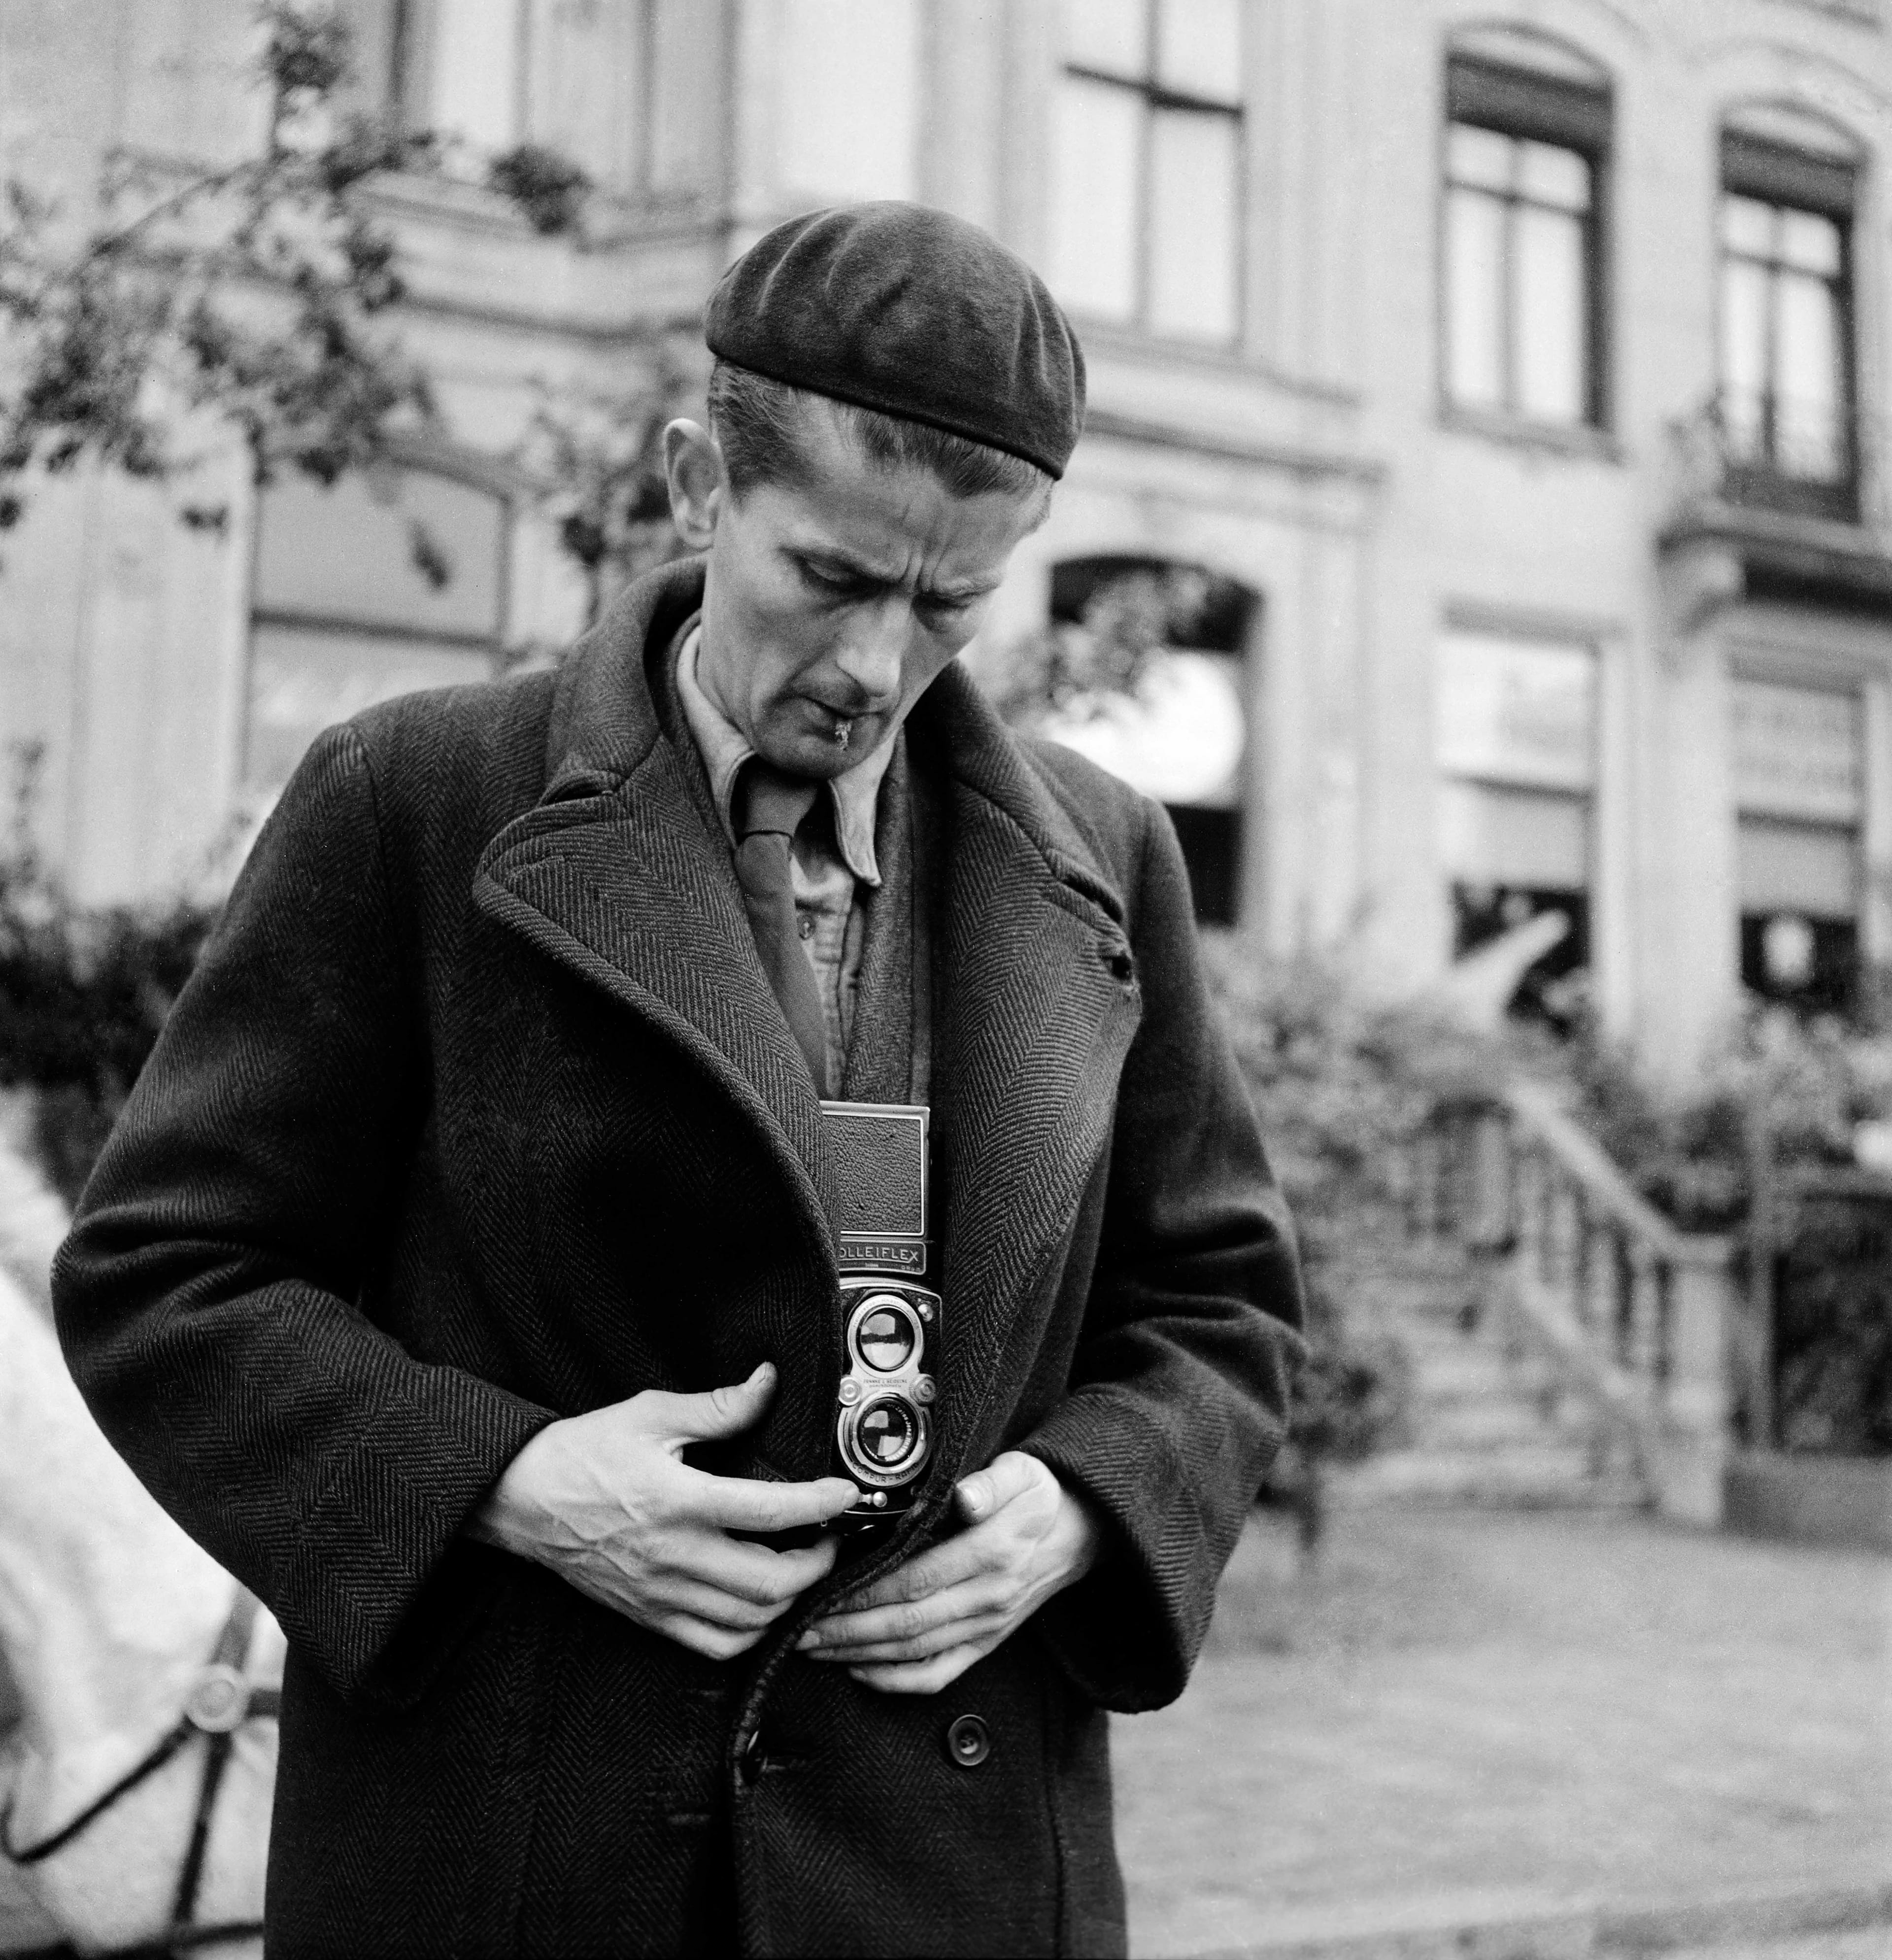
(345,613)
(1147,164)
(576,75)
(1523,287)
(1799,787)
(1786,386)
(1515,744)
(1184,740)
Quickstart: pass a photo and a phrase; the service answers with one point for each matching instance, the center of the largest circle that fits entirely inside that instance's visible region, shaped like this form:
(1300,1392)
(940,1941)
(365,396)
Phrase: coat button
(968,1742)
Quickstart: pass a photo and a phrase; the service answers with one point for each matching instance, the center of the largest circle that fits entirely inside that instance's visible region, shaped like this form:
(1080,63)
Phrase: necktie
(768,809)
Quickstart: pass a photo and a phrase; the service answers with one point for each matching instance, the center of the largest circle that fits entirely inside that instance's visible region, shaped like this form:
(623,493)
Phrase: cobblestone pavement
(1463,1717)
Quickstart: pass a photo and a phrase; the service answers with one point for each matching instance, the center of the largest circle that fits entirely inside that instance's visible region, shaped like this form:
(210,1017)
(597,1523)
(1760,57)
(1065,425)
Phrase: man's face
(840,598)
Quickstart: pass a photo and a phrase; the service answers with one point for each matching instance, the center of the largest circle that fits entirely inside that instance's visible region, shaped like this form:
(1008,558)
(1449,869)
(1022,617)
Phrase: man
(479,1175)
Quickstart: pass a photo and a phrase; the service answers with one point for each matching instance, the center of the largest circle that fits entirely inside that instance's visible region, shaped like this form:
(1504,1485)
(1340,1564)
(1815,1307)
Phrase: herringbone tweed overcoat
(478,1111)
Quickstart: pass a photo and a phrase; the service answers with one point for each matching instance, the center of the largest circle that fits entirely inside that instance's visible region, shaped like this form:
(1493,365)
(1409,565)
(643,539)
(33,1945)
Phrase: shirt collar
(725,749)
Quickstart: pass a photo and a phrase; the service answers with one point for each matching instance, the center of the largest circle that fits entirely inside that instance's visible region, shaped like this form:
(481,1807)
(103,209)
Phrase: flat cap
(914,313)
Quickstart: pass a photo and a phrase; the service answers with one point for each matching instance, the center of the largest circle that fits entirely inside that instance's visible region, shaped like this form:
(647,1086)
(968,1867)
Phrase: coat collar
(617,874)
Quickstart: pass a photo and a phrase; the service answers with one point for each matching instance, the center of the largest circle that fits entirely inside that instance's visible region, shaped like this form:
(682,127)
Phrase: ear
(698,484)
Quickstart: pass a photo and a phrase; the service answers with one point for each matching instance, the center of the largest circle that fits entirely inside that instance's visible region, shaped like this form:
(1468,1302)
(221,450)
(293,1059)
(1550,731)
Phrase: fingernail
(809,1641)
(762,1368)
(973,1496)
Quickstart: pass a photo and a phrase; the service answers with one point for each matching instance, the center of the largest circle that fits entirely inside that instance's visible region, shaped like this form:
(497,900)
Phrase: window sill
(1116,337)
(1593,445)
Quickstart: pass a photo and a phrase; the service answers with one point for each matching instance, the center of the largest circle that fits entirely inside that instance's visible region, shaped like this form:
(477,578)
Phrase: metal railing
(1645,1323)
(1766,452)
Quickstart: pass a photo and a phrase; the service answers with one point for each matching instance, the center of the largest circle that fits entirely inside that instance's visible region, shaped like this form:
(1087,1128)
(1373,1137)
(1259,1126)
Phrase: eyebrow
(833,557)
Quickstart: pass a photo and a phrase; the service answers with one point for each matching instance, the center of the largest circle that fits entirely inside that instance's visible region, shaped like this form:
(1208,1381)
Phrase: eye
(939,610)
(833,585)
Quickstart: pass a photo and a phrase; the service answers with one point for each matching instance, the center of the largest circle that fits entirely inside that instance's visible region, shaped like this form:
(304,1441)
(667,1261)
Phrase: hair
(758,422)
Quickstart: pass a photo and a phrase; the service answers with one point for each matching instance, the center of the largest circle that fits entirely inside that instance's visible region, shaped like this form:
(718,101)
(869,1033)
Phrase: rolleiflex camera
(875,1167)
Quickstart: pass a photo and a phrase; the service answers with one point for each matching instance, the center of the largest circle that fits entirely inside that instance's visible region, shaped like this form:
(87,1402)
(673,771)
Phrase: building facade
(1508,375)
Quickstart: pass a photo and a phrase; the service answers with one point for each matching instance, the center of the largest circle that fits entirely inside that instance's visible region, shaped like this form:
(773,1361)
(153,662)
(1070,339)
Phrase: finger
(922,1677)
(990,1626)
(1008,1476)
(910,1619)
(694,1599)
(728,1411)
(953,1563)
(704,1637)
(753,1571)
(750,1504)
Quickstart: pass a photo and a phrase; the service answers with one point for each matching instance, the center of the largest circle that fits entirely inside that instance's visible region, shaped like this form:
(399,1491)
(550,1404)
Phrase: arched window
(392,580)
(1183,739)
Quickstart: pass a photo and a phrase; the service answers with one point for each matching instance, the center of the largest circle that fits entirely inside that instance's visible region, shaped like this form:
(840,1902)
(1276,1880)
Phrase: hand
(928,1620)
(605,1501)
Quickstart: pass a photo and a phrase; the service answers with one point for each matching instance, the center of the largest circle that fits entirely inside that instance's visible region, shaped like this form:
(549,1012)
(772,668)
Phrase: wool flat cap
(913,312)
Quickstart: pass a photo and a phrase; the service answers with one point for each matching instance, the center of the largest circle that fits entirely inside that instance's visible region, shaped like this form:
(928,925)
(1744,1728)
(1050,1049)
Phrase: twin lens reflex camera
(875,1179)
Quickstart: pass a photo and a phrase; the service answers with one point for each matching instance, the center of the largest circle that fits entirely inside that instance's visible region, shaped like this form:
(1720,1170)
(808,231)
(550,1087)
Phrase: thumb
(723,1412)
(991,1489)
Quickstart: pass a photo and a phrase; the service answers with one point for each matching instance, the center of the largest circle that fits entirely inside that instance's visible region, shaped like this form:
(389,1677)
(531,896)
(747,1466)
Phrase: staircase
(1488,1423)
(1567,1345)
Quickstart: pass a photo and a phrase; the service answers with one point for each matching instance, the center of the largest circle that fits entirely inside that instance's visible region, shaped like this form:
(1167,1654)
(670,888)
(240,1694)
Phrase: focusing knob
(924,1390)
(850,1390)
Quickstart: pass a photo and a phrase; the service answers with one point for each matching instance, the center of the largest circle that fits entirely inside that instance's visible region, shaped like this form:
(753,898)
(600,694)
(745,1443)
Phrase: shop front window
(391,581)
(1183,738)
(1515,742)
(1800,797)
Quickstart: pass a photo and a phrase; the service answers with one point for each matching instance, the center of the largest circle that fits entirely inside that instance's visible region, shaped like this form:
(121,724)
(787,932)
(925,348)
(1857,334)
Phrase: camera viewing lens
(887,1432)
(886,1341)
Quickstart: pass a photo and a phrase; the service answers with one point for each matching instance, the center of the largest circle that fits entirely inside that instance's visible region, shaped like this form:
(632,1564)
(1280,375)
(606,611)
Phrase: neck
(106,1608)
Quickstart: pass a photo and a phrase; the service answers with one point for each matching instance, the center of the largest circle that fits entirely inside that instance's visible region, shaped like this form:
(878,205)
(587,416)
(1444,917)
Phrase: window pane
(1807,435)
(1192,225)
(1805,869)
(1478,157)
(303,682)
(1550,338)
(1747,226)
(849,92)
(476,71)
(1113,35)
(1094,208)
(1551,176)
(1474,299)
(1199,47)
(1809,242)
(1744,356)
(347,553)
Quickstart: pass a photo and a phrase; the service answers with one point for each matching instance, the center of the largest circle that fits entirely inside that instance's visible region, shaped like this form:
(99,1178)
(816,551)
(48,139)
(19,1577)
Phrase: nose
(872,653)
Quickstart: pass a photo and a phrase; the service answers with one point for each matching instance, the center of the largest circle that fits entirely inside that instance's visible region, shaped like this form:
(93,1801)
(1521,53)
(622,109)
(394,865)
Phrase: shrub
(83,995)
(1341,1083)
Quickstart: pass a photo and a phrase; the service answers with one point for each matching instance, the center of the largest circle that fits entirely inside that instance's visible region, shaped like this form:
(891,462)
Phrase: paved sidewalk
(1464,1718)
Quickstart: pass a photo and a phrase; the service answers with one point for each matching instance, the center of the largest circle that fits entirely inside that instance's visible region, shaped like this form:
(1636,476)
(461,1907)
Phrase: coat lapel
(615,875)
(1036,1008)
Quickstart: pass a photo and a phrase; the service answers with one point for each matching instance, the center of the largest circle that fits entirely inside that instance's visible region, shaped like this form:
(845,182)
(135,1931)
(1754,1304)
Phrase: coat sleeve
(1179,1385)
(208,1296)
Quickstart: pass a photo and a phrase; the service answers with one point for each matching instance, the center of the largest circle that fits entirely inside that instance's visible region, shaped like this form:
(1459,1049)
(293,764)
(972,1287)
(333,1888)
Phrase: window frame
(1531,105)
(1773,173)
(468,470)
(1154,97)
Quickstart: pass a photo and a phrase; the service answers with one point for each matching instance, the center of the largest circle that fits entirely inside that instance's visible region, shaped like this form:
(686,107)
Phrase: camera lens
(886,1340)
(887,1432)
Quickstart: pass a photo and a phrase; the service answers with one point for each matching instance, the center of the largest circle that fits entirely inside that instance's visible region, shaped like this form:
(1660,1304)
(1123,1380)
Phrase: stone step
(1523,1476)
(1494,1424)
